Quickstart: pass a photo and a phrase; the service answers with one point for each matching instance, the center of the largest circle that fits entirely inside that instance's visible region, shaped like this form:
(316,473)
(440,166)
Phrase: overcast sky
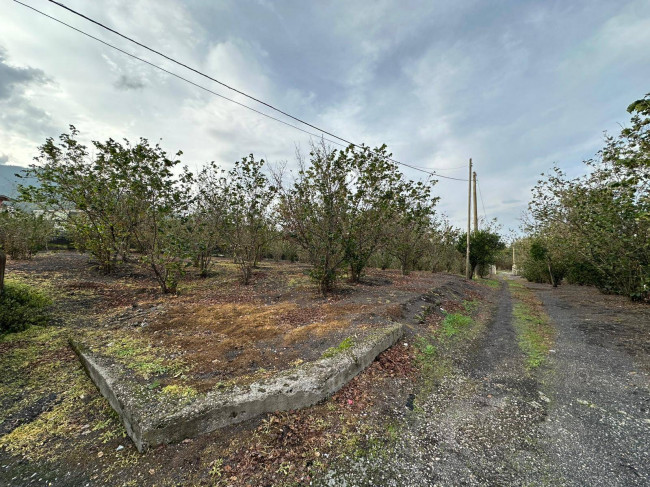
(516,85)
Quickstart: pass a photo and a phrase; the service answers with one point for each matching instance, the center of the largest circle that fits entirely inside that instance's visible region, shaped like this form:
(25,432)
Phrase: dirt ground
(578,416)
(216,331)
(57,430)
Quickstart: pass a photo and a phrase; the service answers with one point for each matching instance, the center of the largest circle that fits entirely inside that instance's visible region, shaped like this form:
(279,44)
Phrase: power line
(177,75)
(215,80)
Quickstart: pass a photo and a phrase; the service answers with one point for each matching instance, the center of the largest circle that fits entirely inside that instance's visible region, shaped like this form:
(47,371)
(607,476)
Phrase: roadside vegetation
(450,330)
(595,229)
(535,334)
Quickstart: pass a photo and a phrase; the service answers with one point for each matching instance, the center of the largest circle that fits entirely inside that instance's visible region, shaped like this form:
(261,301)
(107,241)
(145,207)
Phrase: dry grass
(318,329)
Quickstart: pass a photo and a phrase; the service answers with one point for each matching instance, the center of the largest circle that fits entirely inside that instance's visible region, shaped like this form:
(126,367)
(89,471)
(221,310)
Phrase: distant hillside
(8,180)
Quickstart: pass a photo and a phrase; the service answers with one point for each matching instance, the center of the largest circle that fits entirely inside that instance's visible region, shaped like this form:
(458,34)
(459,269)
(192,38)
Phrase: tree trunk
(550,273)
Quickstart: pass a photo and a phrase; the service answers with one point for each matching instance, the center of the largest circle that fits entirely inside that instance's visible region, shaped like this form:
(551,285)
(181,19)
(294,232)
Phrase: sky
(516,85)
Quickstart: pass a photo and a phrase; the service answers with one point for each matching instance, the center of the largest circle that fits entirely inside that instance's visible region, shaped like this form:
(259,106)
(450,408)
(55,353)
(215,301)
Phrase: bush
(22,234)
(22,306)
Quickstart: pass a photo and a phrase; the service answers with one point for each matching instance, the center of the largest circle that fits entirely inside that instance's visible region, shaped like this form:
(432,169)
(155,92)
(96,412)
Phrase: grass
(535,334)
(454,323)
(37,364)
(435,351)
(492,283)
(138,355)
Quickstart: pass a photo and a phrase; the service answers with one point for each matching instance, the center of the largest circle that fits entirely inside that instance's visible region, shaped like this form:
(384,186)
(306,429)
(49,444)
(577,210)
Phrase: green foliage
(22,306)
(410,231)
(346,205)
(23,233)
(454,323)
(443,256)
(484,246)
(597,227)
(313,211)
(126,195)
(247,195)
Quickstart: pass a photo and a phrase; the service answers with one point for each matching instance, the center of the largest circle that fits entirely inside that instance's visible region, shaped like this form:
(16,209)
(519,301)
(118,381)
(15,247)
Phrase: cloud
(4,159)
(128,83)
(14,79)
(20,117)
(516,86)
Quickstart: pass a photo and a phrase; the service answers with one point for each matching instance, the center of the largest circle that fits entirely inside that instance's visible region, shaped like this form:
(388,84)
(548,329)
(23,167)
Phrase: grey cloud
(4,159)
(17,112)
(517,86)
(129,83)
(14,79)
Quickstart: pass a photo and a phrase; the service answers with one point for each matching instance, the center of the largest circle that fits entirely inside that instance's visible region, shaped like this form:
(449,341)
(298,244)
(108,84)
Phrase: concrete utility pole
(475,208)
(468,270)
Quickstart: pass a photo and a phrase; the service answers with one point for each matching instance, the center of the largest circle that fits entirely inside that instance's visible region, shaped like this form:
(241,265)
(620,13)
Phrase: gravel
(581,420)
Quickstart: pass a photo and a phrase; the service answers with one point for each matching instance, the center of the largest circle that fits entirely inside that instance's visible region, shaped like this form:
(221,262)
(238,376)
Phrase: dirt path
(598,428)
(581,420)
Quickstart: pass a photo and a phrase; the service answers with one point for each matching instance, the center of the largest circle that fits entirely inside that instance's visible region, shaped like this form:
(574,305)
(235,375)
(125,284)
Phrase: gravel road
(583,419)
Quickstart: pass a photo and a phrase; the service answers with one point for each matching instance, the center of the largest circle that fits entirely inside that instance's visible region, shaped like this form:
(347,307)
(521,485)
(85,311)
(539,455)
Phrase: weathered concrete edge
(291,389)
(108,387)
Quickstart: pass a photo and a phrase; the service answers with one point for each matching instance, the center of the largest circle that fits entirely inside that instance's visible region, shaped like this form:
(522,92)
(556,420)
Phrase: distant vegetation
(595,229)
(342,211)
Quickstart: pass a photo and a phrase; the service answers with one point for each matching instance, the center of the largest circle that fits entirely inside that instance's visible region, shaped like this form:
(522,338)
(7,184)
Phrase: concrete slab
(151,419)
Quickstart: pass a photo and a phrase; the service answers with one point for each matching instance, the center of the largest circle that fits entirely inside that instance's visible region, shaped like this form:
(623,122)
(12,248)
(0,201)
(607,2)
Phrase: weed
(22,306)
(284,468)
(454,323)
(470,306)
(493,283)
(216,470)
(421,317)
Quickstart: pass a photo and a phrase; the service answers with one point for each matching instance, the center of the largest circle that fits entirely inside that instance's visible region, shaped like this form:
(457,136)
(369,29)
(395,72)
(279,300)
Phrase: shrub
(22,306)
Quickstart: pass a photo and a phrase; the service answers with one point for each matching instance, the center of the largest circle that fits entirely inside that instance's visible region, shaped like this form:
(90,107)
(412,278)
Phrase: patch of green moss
(139,356)
(341,347)
(179,391)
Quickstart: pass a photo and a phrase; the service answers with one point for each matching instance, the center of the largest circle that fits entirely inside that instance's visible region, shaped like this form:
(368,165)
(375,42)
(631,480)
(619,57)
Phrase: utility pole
(475,209)
(474,203)
(468,270)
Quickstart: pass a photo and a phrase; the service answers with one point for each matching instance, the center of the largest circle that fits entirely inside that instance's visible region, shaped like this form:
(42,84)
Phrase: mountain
(9,181)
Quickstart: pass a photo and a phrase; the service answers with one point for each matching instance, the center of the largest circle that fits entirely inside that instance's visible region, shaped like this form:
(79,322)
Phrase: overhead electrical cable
(177,75)
(430,172)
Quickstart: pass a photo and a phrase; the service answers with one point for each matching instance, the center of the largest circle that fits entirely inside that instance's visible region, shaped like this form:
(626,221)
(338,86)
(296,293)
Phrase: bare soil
(58,430)
(582,417)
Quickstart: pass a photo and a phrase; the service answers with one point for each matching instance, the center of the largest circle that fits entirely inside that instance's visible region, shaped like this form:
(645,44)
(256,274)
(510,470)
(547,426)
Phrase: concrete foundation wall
(292,389)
